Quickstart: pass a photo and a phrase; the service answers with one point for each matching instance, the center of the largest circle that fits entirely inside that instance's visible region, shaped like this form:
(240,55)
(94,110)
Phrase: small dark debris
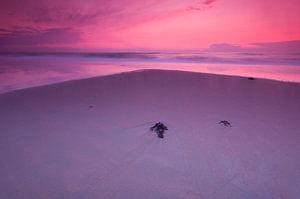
(251,78)
(91,106)
(225,123)
(159,128)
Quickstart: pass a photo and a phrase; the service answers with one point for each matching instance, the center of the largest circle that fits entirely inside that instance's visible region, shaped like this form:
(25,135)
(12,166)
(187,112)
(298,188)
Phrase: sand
(90,138)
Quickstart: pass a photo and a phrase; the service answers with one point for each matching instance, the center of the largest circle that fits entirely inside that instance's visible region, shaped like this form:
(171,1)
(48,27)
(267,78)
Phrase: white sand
(90,138)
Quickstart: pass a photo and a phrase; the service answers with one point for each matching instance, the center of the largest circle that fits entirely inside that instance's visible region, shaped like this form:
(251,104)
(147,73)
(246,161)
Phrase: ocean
(23,70)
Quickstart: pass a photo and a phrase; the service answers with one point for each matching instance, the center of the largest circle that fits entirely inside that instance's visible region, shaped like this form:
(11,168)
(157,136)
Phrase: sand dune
(90,138)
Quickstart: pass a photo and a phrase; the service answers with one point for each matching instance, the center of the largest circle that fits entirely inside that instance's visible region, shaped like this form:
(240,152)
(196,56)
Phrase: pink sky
(146,24)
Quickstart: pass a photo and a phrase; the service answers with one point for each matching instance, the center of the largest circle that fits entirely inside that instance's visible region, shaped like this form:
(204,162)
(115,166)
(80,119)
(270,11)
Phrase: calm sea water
(18,71)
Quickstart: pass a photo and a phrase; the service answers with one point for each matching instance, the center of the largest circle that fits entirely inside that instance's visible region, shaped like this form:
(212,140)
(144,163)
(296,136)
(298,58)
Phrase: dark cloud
(50,22)
(3,30)
(284,46)
(202,5)
(208,2)
(18,30)
(289,47)
(78,12)
(29,37)
(58,13)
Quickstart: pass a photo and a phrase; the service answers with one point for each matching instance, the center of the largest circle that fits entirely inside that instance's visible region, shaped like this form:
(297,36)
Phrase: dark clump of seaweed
(225,123)
(159,128)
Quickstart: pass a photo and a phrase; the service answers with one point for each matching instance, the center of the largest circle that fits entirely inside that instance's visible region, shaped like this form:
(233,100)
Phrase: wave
(201,57)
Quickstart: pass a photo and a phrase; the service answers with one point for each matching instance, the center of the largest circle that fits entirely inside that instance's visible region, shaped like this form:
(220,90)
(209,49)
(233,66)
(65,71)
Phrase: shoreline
(142,70)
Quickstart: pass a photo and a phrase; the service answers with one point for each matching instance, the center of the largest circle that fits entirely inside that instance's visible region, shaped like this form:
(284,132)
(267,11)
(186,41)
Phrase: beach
(91,138)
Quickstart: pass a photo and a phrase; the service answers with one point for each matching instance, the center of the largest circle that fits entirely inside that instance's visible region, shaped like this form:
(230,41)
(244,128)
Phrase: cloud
(3,30)
(30,37)
(69,13)
(86,12)
(208,2)
(287,47)
(224,47)
(16,30)
(202,5)
(270,53)
(107,14)
(284,46)
(46,22)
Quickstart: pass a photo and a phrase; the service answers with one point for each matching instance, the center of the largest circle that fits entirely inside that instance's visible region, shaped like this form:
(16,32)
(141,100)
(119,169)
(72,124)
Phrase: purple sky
(148,24)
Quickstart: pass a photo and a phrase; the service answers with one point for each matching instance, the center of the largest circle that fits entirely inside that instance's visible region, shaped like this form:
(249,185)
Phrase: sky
(219,25)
